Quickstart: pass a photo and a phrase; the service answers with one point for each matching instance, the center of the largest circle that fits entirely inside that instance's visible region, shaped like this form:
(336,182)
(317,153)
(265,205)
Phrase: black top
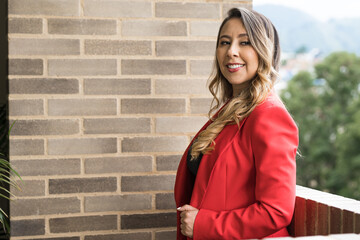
(193,165)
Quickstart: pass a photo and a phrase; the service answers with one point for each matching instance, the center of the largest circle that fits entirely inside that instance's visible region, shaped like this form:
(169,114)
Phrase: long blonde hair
(264,39)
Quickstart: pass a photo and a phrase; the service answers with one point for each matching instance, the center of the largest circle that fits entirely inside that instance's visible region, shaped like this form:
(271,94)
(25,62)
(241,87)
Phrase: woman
(236,180)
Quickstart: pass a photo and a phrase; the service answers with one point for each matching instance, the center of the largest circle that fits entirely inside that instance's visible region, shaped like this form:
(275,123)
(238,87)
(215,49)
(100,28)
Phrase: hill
(298,29)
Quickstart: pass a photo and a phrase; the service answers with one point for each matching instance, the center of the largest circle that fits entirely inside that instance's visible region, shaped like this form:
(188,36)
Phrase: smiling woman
(238,60)
(236,180)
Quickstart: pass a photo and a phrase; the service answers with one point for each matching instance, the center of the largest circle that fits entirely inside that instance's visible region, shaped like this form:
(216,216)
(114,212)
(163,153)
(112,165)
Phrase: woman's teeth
(235,66)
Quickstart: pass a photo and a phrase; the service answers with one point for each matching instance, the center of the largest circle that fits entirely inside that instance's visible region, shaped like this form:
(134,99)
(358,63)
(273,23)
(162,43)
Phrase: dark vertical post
(4,126)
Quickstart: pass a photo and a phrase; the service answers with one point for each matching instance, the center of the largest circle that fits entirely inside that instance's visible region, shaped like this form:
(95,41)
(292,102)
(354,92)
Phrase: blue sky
(321,9)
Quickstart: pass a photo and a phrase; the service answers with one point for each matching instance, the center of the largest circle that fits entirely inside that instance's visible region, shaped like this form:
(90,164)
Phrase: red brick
(348,221)
(300,217)
(311,217)
(357,223)
(335,220)
(323,219)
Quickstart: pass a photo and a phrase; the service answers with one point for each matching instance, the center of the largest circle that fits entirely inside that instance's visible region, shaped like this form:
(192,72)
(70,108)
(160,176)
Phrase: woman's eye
(224,43)
(245,43)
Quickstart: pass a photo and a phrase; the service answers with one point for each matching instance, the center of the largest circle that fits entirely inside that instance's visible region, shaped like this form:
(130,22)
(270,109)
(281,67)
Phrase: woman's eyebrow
(243,35)
(239,36)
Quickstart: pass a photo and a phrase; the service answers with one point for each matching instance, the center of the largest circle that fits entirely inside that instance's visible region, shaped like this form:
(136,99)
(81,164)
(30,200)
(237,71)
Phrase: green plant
(8,177)
(326,106)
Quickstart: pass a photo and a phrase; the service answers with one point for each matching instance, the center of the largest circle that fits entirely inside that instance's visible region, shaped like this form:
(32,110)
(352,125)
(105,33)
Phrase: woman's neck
(238,88)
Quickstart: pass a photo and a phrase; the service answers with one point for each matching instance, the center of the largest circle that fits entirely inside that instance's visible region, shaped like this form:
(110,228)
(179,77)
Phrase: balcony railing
(320,213)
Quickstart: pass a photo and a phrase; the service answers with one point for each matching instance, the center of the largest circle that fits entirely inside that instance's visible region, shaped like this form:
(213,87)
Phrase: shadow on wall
(4,144)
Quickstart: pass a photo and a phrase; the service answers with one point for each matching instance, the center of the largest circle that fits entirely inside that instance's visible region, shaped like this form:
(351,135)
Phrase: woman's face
(236,57)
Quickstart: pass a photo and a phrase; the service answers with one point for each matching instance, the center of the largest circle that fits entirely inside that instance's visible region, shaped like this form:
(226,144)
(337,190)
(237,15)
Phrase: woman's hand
(187,215)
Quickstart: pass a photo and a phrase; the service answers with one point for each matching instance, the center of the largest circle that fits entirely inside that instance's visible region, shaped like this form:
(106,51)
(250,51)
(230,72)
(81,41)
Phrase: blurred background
(320,77)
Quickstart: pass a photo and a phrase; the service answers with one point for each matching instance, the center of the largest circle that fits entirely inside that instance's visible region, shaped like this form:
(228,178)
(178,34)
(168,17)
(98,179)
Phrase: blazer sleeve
(274,141)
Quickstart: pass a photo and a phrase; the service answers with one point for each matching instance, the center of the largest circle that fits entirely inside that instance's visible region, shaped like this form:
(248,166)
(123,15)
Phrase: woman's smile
(234,67)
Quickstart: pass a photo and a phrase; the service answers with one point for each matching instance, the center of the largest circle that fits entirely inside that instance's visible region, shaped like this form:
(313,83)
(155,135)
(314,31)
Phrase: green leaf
(11,128)
(4,221)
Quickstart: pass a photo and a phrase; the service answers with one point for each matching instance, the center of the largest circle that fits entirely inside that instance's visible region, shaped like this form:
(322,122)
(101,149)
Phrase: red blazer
(246,187)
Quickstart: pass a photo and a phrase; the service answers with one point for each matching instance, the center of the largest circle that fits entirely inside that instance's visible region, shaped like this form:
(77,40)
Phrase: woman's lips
(234,67)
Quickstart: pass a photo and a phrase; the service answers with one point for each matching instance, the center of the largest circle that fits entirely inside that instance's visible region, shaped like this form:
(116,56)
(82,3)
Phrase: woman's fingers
(185,230)
(186,207)
(187,219)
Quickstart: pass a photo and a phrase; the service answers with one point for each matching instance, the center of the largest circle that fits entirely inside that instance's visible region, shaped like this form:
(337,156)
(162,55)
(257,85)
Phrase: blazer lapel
(184,179)
(209,161)
(184,183)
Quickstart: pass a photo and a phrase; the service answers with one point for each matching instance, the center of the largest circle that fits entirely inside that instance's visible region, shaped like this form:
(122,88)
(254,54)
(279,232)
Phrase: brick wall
(321,213)
(106,94)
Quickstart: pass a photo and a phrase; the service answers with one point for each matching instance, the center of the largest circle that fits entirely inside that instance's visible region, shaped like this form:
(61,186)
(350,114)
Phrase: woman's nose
(233,51)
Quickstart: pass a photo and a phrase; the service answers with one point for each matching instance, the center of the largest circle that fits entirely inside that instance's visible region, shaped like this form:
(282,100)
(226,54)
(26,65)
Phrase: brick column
(107,95)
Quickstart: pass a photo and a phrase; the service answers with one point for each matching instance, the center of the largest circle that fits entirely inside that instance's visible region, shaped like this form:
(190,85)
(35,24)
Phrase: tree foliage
(326,106)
